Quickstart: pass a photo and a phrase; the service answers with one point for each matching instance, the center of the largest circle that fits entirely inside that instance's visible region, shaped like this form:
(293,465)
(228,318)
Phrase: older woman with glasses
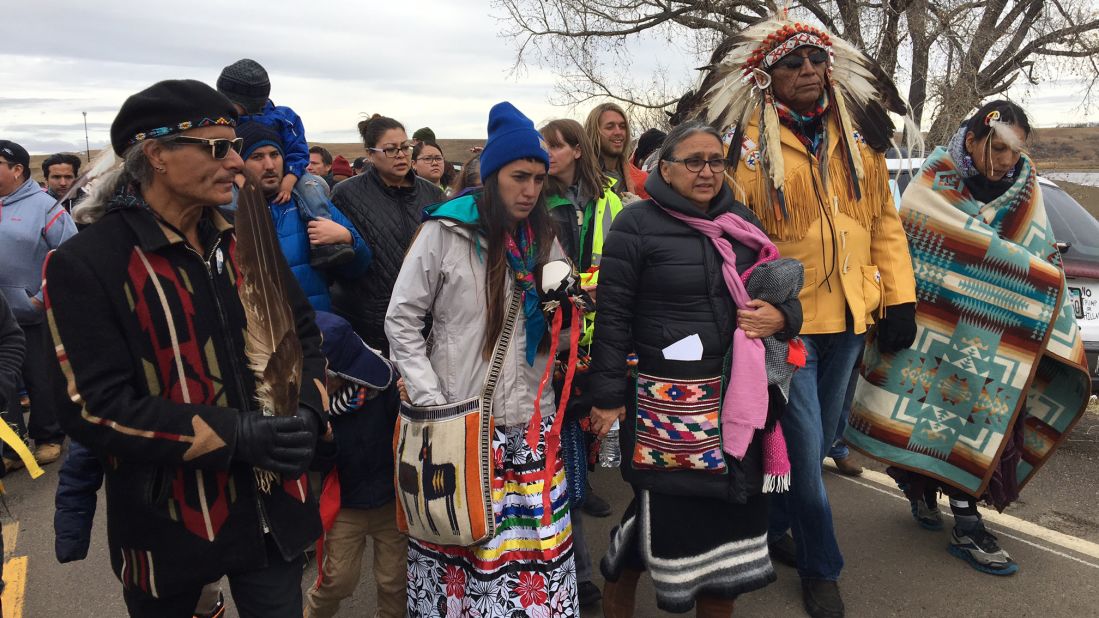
(386,205)
(678,311)
(428,162)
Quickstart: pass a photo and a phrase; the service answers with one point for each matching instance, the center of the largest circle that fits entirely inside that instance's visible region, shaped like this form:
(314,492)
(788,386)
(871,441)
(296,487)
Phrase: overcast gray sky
(425,62)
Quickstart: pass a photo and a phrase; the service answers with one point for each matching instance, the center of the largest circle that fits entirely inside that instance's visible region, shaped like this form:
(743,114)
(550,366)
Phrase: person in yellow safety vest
(582,204)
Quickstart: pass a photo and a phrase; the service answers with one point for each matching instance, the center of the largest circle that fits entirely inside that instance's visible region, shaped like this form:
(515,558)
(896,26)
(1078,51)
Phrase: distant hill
(456,150)
(1055,148)
(1066,149)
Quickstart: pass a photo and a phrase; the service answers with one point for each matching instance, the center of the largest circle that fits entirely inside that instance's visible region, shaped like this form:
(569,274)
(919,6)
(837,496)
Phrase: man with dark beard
(298,231)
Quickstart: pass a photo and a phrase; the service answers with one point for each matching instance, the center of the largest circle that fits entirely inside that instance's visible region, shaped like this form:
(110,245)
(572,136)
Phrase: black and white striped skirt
(692,546)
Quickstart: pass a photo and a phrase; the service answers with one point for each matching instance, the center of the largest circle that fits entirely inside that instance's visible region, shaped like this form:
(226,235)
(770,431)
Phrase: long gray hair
(135,169)
(681,132)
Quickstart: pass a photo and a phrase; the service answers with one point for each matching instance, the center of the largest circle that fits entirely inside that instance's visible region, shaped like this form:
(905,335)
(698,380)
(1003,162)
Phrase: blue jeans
(817,394)
(314,200)
(839,448)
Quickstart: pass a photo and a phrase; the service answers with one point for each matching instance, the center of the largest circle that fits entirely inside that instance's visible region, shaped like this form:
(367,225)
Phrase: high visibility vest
(597,218)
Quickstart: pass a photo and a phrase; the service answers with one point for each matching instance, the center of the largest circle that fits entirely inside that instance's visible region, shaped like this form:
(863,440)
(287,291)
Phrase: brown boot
(847,467)
(619,597)
(713,607)
(47,453)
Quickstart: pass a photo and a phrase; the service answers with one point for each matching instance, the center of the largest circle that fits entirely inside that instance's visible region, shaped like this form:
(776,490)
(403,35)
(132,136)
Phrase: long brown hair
(566,131)
(494,225)
(619,163)
(469,177)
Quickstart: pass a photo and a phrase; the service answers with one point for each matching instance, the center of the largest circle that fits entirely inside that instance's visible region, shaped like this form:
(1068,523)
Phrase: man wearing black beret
(153,378)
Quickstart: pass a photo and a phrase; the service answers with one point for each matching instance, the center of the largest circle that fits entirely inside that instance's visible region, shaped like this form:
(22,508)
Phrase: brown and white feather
(271,339)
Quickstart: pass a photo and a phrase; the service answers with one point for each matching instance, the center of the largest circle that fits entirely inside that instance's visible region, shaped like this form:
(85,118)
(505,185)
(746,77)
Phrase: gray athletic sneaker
(927,514)
(979,548)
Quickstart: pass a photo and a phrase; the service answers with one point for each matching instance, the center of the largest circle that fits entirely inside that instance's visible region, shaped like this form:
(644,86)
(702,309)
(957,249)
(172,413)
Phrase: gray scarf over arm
(777,282)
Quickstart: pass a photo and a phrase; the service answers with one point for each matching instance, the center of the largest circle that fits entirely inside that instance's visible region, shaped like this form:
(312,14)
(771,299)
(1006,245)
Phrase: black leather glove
(897,330)
(282,444)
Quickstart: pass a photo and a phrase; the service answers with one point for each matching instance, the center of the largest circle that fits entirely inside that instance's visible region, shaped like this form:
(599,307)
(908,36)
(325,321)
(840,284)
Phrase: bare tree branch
(953,53)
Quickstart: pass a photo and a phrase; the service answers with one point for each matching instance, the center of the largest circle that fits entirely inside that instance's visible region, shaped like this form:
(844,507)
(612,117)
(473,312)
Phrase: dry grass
(1087,196)
(1066,149)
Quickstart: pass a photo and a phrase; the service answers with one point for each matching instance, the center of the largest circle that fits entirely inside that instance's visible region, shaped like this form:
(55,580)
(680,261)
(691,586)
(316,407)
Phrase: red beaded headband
(779,44)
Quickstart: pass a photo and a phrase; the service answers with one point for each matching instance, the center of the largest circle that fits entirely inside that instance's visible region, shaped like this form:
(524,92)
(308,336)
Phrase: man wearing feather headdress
(203,402)
(809,128)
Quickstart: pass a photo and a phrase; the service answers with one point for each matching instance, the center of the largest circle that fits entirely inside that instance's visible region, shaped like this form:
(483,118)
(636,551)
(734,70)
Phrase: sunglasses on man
(793,62)
(219,148)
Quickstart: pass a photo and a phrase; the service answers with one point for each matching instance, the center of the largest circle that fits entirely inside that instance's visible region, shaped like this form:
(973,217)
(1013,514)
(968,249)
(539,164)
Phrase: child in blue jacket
(246,84)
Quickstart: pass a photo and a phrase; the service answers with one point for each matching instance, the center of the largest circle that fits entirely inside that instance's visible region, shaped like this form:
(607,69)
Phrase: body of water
(1090,179)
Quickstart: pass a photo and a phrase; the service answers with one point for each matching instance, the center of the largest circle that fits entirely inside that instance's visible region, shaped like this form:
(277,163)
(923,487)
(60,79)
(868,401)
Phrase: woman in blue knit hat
(469,259)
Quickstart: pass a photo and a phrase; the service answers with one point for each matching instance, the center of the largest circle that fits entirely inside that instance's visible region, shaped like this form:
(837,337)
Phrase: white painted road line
(883,483)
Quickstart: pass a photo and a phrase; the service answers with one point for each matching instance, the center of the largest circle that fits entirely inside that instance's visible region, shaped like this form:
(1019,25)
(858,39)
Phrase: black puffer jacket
(661,282)
(387,218)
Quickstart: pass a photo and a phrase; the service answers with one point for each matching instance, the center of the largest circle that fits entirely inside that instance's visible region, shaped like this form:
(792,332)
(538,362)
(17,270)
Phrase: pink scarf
(744,409)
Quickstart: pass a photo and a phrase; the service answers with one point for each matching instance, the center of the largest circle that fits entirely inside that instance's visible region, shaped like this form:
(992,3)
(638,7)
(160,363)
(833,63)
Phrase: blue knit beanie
(511,136)
(257,134)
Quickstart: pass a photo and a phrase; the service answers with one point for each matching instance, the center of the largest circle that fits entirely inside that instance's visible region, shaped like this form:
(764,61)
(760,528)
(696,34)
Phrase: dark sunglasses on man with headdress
(219,148)
(794,62)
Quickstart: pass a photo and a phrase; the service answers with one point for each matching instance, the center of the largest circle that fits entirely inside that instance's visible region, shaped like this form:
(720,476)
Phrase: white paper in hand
(686,349)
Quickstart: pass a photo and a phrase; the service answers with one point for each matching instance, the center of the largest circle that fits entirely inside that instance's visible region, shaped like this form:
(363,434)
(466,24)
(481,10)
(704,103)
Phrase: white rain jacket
(444,275)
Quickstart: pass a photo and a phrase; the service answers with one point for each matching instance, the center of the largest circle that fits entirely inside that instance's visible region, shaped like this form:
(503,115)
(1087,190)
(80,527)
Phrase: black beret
(169,107)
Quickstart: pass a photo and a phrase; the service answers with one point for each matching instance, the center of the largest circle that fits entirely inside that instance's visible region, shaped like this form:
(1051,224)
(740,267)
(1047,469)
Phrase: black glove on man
(897,330)
(282,444)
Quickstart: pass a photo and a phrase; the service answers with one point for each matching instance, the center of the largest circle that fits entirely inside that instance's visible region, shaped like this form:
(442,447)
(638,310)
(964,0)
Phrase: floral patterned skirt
(527,568)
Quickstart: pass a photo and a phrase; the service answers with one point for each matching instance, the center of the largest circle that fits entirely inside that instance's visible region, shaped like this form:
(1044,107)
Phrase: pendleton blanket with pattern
(996,334)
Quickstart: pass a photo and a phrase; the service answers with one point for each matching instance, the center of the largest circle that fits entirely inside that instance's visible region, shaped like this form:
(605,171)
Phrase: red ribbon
(553,436)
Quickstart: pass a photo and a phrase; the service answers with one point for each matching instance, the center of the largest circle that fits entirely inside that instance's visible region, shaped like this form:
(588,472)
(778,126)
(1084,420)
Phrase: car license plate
(1077,302)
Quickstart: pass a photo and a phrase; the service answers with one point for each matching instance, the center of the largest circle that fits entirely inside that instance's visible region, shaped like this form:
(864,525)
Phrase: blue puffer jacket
(77,483)
(295,150)
(294,241)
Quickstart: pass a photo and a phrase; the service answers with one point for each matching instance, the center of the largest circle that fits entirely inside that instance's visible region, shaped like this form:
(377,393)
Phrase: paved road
(893,568)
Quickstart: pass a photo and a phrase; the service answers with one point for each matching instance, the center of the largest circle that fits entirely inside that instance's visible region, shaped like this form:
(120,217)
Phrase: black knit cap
(256,135)
(169,107)
(245,82)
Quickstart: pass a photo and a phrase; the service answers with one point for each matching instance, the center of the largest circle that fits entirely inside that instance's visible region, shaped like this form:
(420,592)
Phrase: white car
(1077,234)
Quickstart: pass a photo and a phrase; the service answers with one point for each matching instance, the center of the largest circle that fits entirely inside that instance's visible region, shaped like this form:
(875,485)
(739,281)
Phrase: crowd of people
(425,357)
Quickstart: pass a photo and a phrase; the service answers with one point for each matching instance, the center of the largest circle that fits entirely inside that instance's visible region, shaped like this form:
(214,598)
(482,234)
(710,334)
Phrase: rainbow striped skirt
(527,568)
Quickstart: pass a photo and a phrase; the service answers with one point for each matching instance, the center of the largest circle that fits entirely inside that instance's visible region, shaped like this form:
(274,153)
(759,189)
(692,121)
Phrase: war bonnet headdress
(737,85)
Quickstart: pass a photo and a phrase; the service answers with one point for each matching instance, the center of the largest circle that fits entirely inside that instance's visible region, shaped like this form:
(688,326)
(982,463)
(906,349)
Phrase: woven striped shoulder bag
(444,460)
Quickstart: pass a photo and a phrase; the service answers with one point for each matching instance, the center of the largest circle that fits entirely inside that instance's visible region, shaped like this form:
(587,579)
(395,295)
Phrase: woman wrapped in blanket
(996,375)
(695,306)
(471,255)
